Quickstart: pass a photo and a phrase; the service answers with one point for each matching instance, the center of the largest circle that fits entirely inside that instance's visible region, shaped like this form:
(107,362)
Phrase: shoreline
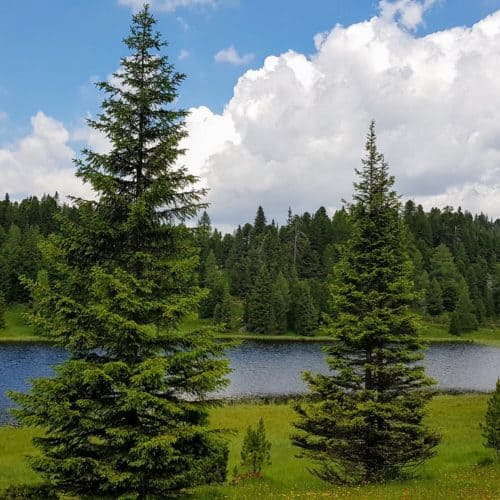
(273,338)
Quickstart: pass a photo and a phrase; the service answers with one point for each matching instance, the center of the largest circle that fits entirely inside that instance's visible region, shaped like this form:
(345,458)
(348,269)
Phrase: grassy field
(456,472)
(18,330)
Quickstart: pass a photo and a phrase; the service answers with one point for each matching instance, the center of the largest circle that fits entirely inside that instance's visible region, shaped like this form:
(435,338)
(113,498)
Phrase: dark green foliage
(224,312)
(260,311)
(281,303)
(366,424)
(434,298)
(29,492)
(215,283)
(125,416)
(259,225)
(491,426)
(444,270)
(2,311)
(256,449)
(305,314)
(463,318)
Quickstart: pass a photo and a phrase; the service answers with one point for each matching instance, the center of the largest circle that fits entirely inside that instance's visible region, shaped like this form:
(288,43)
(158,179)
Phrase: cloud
(294,129)
(183,23)
(231,56)
(41,162)
(409,13)
(167,5)
(3,116)
(183,54)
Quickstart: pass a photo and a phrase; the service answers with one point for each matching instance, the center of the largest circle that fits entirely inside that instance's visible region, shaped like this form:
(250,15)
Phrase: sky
(280,94)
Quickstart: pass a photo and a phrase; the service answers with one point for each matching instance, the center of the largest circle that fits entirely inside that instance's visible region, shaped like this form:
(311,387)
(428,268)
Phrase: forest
(273,279)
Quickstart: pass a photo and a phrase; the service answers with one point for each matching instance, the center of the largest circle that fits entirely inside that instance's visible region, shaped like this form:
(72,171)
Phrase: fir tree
(367,422)
(116,417)
(491,427)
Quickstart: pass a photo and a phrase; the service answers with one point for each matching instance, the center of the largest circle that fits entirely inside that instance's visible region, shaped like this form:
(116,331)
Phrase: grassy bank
(453,473)
(18,330)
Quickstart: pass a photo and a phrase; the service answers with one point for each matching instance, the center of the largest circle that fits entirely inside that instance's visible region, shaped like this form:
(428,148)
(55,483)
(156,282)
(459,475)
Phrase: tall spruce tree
(367,422)
(260,311)
(125,416)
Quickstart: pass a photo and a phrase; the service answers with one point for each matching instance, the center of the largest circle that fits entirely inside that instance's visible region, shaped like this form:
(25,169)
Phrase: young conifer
(491,427)
(367,422)
(256,449)
(124,417)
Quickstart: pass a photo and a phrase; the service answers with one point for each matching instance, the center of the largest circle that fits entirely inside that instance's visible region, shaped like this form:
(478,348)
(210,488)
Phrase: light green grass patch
(453,473)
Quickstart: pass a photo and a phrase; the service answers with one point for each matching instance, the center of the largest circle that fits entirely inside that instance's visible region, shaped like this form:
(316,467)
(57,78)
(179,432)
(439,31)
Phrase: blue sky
(52,50)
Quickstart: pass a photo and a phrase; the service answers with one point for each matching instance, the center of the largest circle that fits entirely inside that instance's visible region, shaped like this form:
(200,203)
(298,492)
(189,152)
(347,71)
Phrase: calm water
(269,368)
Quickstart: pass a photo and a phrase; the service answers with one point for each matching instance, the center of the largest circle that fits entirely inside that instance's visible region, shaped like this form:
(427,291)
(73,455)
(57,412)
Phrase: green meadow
(462,468)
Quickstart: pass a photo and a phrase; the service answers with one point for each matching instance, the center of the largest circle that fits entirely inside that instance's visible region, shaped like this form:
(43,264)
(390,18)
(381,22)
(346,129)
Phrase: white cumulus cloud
(41,162)
(296,126)
(230,55)
(409,13)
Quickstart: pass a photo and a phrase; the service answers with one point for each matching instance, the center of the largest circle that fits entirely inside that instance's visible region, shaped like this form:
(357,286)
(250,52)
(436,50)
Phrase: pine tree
(367,422)
(125,416)
(491,427)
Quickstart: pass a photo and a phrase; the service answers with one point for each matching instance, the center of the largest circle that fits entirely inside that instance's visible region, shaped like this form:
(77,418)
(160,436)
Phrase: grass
(453,473)
(18,330)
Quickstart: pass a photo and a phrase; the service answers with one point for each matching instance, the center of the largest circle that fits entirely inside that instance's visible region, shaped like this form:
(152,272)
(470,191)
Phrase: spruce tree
(281,302)
(366,424)
(491,427)
(463,318)
(260,312)
(434,298)
(224,311)
(256,449)
(125,416)
(304,312)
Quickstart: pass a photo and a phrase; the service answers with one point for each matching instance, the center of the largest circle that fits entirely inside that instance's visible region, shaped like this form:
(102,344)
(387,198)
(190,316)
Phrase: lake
(269,368)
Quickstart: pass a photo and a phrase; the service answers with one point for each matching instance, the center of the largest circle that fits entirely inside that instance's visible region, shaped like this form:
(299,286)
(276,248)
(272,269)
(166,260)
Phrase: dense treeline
(280,276)
(271,279)
(23,225)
